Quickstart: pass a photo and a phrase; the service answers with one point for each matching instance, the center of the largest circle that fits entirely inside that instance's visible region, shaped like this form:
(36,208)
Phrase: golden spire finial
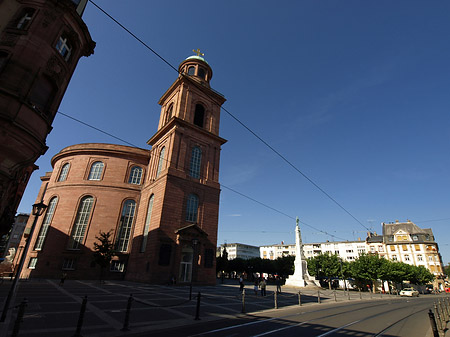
(198,52)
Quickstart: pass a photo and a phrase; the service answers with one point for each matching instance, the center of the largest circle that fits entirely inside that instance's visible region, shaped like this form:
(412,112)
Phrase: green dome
(195,57)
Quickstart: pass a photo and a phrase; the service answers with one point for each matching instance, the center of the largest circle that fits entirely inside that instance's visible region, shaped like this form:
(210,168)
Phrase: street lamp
(38,210)
(194,244)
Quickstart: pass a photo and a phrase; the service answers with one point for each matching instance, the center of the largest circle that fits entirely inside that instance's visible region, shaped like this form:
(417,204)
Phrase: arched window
(201,73)
(135,175)
(191,70)
(161,160)
(46,224)
(147,223)
(199,115)
(196,160)
(96,171)
(192,208)
(125,226)
(64,172)
(169,113)
(81,222)
(64,47)
(24,18)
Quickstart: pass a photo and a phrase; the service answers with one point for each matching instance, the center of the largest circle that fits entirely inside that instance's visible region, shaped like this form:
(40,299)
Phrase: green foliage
(283,266)
(104,249)
(325,265)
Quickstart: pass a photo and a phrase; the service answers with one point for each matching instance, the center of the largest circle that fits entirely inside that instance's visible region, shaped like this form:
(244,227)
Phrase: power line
(167,161)
(238,121)
(95,128)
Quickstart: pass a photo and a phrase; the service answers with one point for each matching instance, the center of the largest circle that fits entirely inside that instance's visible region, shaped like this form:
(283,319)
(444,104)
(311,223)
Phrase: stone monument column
(298,279)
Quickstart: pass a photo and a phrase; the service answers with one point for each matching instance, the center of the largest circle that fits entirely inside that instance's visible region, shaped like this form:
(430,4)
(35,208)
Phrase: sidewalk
(53,310)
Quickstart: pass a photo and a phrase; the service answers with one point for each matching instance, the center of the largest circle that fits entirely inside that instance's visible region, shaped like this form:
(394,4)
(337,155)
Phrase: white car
(409,292)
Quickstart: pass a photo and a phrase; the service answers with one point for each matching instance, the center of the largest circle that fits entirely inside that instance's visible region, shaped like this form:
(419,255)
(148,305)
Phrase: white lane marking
(235,326)
(280,329)
(340,328)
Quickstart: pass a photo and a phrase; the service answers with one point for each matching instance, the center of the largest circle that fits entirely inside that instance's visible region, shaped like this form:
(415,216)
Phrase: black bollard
(360,296)
(197,310)
(275,299)
(19,318)
(348,293)
(126,322)
(299,298)
(438,317)
(318,296)
(243,301)
(81,317)
(433,324)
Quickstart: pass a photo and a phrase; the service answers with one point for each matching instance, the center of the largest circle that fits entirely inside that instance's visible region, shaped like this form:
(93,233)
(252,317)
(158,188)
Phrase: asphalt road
(399,317)
(53,311)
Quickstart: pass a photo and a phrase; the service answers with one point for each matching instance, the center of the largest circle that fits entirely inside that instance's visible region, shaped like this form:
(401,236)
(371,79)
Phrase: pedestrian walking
(241,283)
(255,286)
(263,285)
(278,283)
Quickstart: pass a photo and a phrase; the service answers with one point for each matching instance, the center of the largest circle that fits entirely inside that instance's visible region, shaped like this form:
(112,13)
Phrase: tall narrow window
(199,115)
(169,113)
(191,70)
(96,171)
(46,224)
(161,160)
(147,223)
(196,160)
(125,226)
(192,208)
(64,172)
(135,175)
(64,47)
(25,18)
(201,73)
(32,263)
(81,222)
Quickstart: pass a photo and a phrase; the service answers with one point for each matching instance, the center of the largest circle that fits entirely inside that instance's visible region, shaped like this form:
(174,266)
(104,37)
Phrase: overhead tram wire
(184,168)
(95,128)
(239,121)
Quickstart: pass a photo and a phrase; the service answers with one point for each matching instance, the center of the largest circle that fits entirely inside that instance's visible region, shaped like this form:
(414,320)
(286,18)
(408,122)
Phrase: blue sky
(355,94)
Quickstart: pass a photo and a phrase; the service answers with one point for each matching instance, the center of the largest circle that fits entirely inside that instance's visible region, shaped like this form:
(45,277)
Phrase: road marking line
(340,328)
(281,329)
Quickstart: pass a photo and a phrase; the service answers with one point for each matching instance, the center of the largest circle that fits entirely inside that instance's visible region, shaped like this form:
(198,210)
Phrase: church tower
(175,236)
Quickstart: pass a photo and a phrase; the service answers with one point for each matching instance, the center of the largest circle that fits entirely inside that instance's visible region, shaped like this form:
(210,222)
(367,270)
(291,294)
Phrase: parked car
(409,292)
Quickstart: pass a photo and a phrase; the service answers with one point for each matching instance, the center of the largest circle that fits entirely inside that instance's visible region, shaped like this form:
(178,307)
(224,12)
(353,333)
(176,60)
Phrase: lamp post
(194,244)
(38,209)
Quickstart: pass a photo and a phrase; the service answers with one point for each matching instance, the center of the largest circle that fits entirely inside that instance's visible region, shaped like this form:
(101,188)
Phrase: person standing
(241,283)
(278,283)
(263,285)
(255,286)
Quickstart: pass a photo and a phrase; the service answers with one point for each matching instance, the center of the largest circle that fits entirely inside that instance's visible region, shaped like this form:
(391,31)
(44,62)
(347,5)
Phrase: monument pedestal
(298,278)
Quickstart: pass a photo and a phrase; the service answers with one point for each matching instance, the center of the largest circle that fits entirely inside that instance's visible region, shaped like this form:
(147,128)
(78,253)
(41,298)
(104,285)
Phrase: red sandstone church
(161,204)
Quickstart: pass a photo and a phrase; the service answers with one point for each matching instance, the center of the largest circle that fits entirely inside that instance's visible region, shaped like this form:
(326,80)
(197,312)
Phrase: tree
(420,275)
(284,266)
(103,251)
(369,268)
(324,264)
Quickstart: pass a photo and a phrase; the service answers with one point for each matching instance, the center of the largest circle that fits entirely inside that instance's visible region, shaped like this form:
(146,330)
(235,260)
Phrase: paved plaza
(53,310)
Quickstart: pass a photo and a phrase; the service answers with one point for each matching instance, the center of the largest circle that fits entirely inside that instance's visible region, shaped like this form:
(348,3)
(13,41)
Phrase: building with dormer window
(406,242)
